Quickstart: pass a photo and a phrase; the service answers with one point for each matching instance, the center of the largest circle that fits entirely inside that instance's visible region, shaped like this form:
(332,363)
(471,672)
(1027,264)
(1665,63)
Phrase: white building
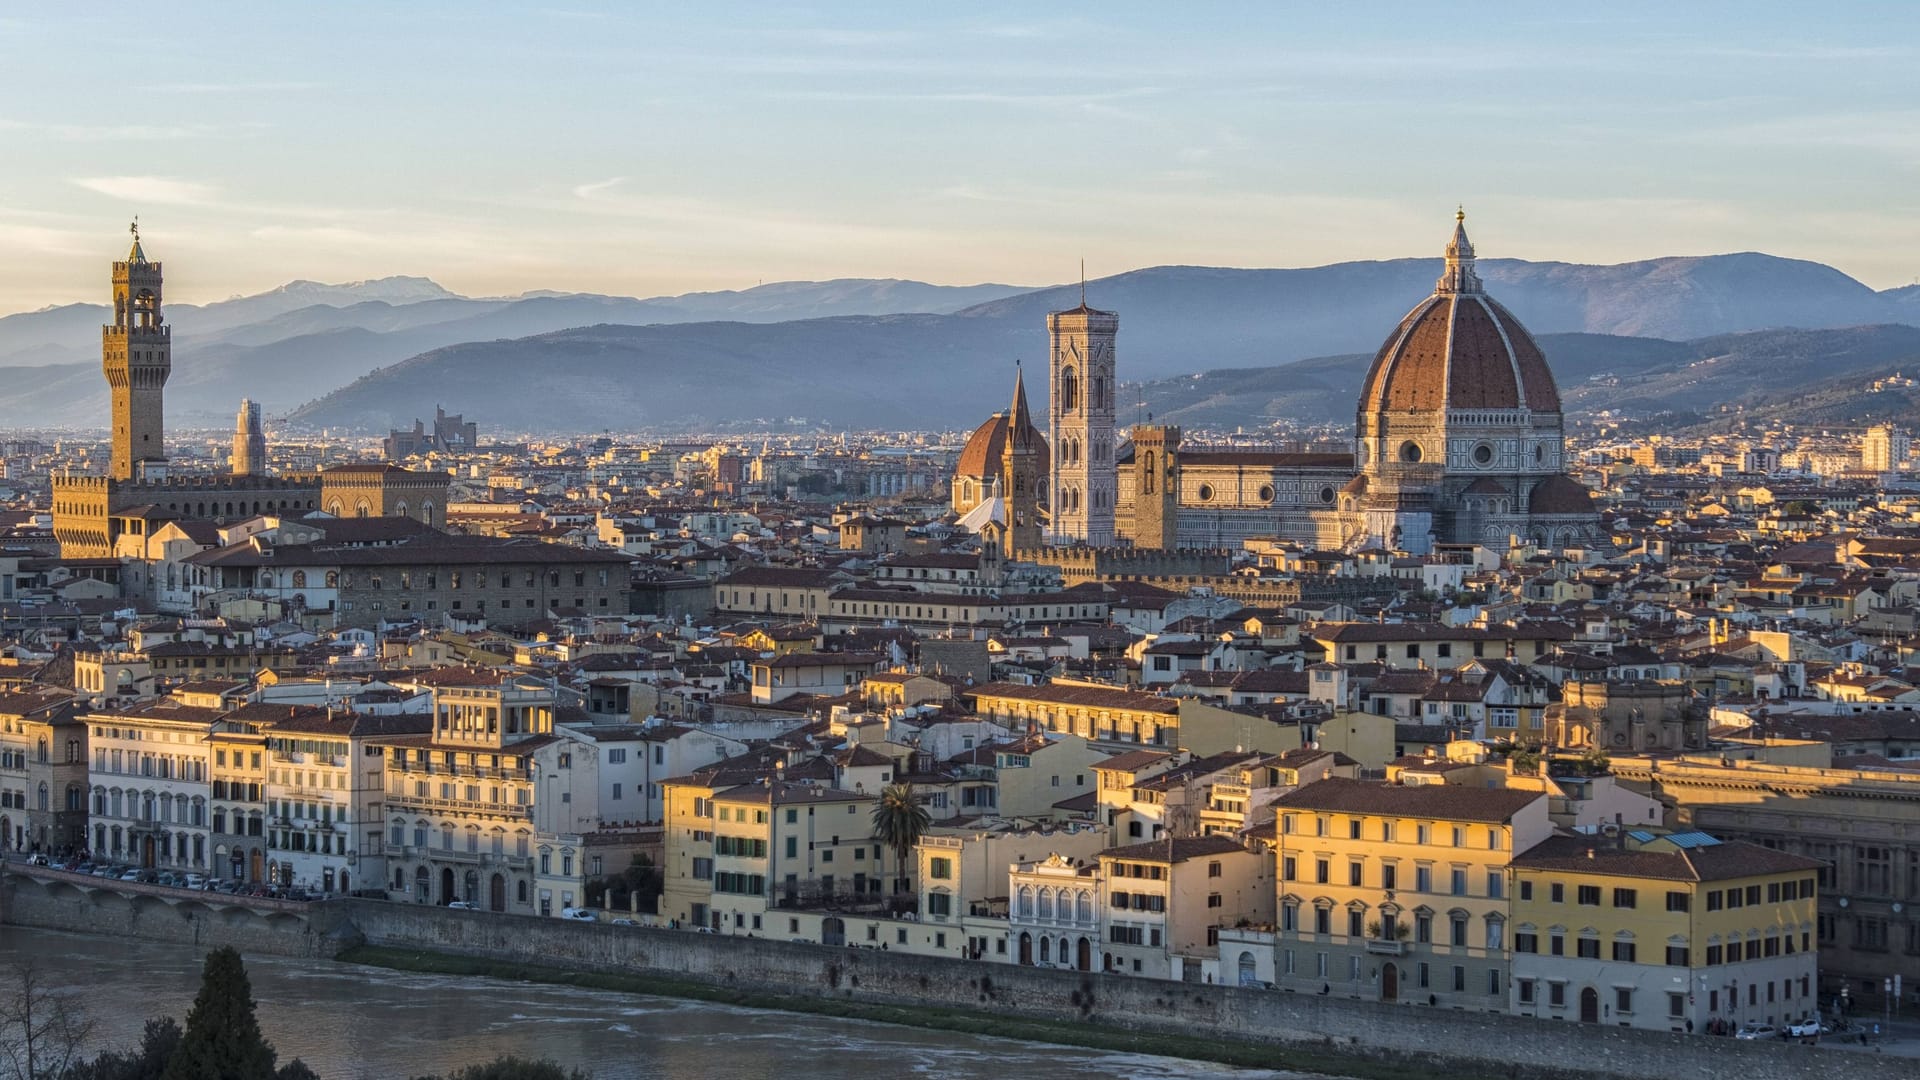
(150,784)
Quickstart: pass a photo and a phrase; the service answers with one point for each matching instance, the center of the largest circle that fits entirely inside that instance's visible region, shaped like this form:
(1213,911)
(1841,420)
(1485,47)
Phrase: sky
(646,150)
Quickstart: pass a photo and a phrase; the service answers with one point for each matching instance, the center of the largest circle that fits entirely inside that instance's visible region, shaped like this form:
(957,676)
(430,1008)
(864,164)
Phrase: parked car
(37,859)
(625,922)
(578,914)
(193,881)
(462,905)
(1803,1029)
(130,875)
(1757,1031)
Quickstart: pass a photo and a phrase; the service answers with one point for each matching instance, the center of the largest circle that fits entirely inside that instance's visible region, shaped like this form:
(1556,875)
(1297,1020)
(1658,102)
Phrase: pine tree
(223,1040)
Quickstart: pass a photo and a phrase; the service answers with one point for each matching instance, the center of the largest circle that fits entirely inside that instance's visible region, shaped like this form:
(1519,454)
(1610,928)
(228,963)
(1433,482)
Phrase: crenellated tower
(1156,486)
(136,354)
(1080,423)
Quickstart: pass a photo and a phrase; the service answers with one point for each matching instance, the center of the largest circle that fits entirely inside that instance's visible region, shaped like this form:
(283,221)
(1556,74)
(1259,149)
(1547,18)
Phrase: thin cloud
(161,190)
(593,190)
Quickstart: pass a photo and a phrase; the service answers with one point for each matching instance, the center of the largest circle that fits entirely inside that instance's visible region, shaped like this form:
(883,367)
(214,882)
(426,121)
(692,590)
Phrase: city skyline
(597,150)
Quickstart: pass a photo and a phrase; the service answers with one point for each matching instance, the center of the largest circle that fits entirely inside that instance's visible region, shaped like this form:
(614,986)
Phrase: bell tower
(136,354)
(1080,423)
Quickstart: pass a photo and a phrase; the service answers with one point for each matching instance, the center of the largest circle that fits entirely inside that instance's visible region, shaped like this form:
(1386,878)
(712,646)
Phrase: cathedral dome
(1459,349)
(985,452)
(1560,495)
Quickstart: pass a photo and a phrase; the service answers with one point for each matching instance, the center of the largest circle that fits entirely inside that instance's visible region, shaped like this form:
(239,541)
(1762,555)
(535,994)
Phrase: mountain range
(866,353)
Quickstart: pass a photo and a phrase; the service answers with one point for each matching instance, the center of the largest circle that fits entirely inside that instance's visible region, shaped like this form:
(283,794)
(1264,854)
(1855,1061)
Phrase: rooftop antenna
(1083,281)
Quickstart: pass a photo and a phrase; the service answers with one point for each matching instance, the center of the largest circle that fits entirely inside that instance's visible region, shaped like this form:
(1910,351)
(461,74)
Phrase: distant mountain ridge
(378,353)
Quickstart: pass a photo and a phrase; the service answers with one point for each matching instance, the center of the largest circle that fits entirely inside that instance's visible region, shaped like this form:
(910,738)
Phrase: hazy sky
(638,151)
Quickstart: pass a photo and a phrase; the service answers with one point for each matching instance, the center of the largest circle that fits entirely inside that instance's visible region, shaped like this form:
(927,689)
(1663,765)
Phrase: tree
(512,1068)
(157,1046)
(639,877)
(899,821)
(223,1040)
(41,1029)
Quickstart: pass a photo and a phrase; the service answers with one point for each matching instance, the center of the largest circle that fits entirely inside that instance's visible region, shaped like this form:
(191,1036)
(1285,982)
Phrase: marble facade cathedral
(1458,438)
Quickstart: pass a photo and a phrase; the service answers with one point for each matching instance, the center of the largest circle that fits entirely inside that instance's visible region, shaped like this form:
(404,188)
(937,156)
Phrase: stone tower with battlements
(136,354)
(1156,479)
(249,441)
(1080,424)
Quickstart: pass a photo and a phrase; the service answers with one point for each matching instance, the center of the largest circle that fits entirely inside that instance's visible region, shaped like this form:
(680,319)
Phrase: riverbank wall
(1445,1041)
(47,899)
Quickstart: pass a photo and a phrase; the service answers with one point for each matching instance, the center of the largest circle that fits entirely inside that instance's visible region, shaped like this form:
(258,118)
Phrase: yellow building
(1099,713)
(1669,933)
(1856,823)
(1399,893)
(736,853)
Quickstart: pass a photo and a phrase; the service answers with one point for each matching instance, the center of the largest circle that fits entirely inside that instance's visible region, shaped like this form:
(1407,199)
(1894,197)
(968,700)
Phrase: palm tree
(899,821)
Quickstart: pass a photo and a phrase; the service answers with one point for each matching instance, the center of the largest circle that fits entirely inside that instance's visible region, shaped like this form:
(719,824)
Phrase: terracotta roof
(1716,862)
(1174,850)
(1560,495)
(1098,697)
(986,449)
(1459,350)
(1443,802)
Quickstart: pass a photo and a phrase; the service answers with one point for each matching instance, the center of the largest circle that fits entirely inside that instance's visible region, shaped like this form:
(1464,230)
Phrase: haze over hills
(70,333)
(373,354)
(1755,371)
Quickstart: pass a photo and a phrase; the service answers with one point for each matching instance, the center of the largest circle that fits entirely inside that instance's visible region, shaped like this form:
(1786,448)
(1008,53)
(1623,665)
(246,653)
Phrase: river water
(357,1023)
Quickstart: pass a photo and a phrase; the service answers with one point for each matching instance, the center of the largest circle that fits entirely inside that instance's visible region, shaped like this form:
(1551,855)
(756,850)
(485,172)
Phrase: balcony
(408,803)
(1384,947)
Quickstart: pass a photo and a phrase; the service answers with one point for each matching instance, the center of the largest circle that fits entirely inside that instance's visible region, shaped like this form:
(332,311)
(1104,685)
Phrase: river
(358,1023)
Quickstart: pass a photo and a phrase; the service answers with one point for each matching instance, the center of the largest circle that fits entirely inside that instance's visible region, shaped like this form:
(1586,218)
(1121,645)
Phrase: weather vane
(134,227)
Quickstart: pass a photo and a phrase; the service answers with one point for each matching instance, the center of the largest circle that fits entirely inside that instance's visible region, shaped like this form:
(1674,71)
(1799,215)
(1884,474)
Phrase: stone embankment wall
(52,900)
(1476,1044)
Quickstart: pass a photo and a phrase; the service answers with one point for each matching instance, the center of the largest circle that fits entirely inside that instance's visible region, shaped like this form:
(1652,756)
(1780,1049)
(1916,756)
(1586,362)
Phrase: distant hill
(897,370)
(1756,371)
(371,354)
(939,371)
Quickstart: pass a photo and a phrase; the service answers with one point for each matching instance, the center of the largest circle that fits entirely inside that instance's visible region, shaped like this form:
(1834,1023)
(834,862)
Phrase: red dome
(1459,351)
(986,450)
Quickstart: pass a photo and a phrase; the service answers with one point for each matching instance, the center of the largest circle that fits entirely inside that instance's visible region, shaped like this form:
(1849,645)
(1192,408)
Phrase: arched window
(362,508)
(1069,390)
(1046,903)
(1083,907)
(1025,908)
(333,579)
(299,579)
(1146,475)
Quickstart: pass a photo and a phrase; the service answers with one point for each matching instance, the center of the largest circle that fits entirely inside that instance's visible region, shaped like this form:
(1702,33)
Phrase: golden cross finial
(1460,212)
